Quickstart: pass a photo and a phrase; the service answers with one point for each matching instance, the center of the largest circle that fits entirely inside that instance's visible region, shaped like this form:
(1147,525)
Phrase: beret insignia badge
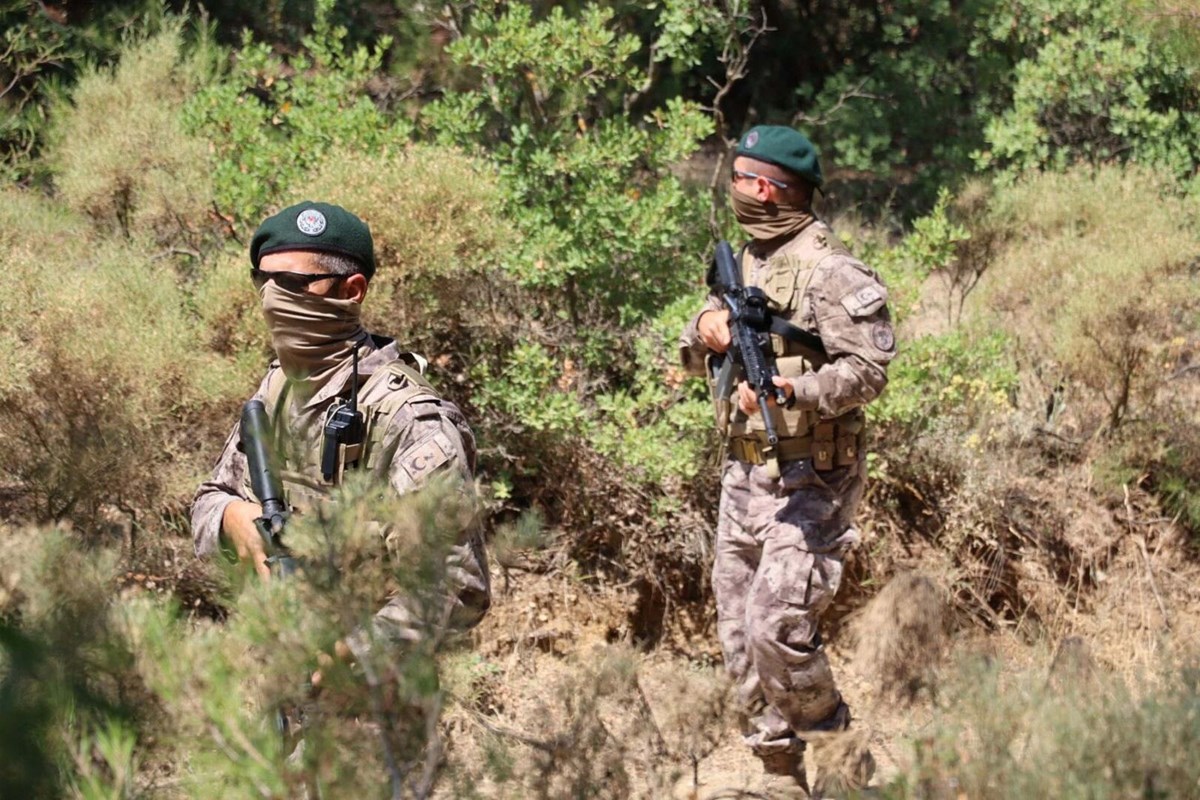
(311,222)
(751,139)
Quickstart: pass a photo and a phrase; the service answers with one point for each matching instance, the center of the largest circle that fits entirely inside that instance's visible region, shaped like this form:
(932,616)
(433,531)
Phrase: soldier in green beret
(312,265)
(786,513)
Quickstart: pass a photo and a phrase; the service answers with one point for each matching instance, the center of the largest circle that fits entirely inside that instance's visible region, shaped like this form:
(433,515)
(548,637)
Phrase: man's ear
(762,191)
(354,287)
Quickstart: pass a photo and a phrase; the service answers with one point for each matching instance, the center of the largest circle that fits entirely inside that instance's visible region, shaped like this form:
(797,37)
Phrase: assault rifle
(264,479)
(750,325)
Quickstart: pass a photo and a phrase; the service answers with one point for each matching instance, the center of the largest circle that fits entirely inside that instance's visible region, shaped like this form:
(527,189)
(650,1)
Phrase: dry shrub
(231,315)
(1095,280)
(839,762)
(121,153)
(601,722)
(104,380)
(1000,733)
(440,238)
(901,635)
(1014,548)
(690,710)
(573,738)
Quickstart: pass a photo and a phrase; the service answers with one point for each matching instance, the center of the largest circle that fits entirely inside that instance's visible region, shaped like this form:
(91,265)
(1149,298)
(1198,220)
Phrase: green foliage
(1092,88)
(655,429)
(272,119)
(603,224)
(70,698)
(365,732)
(956,379)
(930,247)
(911,94)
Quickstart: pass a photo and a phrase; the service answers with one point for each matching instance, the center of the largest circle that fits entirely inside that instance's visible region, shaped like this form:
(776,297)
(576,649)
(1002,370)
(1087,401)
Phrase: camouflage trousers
(777,568)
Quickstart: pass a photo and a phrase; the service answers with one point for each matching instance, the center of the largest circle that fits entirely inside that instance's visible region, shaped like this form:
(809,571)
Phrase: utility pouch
(847,450)
(823,453)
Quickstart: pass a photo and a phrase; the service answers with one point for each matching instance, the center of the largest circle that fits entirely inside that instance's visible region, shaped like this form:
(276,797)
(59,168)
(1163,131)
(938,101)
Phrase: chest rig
(351,435)
(786,278)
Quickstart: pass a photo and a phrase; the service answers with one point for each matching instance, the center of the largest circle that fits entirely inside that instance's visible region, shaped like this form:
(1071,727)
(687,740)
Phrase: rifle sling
(810,344)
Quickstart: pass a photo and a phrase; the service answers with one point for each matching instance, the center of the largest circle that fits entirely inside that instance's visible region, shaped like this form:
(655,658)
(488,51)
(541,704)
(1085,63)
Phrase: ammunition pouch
(754,450)
(789,423)
(832,443)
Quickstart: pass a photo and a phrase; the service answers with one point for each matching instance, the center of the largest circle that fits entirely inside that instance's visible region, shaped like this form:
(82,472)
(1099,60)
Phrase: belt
(752,450)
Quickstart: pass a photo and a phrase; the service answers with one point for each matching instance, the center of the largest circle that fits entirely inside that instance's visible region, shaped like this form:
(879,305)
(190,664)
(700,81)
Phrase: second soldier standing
(781,540)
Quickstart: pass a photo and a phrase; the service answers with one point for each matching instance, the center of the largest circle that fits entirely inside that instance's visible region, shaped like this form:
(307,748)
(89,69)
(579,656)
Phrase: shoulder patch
(420,462)
(864,300)
(883,336)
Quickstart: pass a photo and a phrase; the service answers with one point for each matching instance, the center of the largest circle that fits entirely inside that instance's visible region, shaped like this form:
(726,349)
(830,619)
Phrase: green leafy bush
(604,224)
(271,120)
(1091,87)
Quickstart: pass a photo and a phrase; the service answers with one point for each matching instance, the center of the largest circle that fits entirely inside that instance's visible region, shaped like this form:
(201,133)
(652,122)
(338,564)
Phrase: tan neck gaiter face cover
(313,336)
(768,220)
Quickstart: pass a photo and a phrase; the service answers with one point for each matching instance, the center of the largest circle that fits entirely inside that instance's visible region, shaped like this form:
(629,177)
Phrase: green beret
(783,147)
(320,227)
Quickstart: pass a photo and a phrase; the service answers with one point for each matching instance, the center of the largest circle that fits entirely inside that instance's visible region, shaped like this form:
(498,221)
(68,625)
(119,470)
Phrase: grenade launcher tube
(264,476)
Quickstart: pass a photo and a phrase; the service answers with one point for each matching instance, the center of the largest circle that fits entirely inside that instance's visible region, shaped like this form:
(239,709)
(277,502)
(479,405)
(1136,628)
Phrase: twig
(375,693)
(735,55)
(1179,373)
(1141,543)
(552,746)
(826,117)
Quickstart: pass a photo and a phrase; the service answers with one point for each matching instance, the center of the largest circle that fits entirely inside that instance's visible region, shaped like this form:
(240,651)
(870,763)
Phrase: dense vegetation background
(545,183)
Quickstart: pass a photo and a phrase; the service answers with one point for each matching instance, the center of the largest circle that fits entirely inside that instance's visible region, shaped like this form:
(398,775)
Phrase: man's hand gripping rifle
(264,479)
(750,347)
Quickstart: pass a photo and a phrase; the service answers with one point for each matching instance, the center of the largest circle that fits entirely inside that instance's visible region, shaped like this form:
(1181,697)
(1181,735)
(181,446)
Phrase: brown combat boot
(783,776)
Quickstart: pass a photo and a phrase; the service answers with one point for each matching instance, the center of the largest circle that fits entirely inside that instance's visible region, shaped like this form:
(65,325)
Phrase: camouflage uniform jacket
(425,435)
(815,283)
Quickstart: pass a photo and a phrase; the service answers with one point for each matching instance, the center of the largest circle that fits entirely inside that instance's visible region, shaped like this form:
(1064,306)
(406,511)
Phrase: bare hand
(325,662)
(237,526)
(748,398)
(713,327)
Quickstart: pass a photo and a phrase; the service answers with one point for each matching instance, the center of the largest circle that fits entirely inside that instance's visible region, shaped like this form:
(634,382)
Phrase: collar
(375,353)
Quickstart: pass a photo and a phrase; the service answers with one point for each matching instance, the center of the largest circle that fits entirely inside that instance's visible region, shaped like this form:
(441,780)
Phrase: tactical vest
(384,393)
(785,280)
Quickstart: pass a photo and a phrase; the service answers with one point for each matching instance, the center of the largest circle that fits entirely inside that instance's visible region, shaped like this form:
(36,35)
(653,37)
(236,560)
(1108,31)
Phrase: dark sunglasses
(289,281)
(737,173)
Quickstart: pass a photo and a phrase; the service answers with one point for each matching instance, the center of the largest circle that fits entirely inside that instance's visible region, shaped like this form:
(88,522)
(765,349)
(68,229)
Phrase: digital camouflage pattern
(426,435)
(780,542)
